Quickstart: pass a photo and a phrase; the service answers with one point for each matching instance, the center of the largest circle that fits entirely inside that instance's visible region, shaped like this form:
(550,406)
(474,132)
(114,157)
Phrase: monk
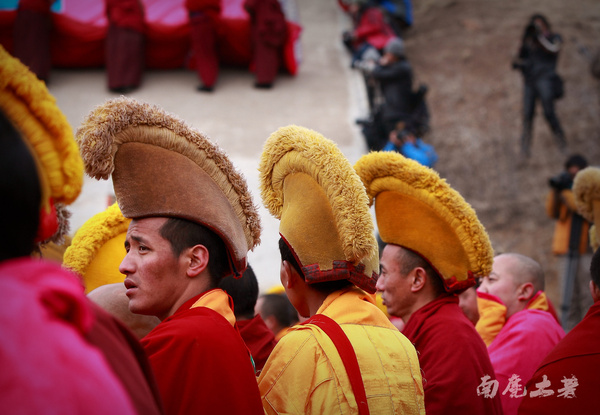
(429,257)
(192,223)
(570,370)
(530,332)
(347,358)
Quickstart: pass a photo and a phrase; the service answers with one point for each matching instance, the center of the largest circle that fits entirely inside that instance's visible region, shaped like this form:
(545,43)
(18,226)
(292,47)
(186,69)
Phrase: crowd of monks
(169,326)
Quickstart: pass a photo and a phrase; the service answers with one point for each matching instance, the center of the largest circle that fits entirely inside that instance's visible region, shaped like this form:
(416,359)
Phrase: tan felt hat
(162,167)
(309,185)
(418,210)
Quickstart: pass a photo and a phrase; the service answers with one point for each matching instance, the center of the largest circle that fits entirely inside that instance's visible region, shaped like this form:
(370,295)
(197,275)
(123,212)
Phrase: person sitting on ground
(192,223)
(435,249)
(347,357)
(257,336)
(529,333)
(404,141)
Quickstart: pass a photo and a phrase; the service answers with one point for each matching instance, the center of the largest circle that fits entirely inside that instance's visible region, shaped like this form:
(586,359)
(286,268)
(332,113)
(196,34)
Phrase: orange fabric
(562,209)
(219,301)
(492,316)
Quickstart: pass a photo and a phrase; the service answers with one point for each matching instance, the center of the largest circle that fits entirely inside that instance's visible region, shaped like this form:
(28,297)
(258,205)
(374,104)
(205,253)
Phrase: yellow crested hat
(418,210)
(162,167)
(586,188)
(98,248)
(33,111)
(309,185)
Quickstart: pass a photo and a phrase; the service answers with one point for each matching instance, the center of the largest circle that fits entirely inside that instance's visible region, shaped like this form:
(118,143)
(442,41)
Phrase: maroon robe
(201,364)
(124,44)
(259,339)
(31,36)
(269,33)
(204,26)
(453,359)
(577,356)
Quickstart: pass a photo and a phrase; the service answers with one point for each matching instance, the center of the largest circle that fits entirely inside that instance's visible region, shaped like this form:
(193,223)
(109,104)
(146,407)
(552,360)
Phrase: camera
(561,181)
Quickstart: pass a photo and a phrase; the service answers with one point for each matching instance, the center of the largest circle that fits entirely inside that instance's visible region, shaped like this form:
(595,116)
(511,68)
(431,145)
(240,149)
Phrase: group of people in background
(398,114)
(155,309)
(125,40)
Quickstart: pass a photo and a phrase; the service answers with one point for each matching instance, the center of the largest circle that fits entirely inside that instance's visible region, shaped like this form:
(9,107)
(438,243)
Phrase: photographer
(570,241)
(537,61)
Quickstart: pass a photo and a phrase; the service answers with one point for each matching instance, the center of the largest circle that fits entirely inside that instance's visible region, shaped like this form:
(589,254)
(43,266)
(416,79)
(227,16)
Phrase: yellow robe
(305,375)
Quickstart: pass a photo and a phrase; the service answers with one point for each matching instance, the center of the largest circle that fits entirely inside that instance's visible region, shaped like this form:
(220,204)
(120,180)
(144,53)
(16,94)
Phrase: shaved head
(525,269)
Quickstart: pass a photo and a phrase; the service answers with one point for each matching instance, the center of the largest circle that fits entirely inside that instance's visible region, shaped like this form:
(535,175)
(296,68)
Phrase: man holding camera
(537,61)
(571,242)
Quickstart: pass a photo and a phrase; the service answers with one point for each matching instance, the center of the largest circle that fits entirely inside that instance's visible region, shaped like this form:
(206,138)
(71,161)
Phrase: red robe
(526,338)
(269,33)
(201,364)
(259,339)
(125,53)
(31,36)
(453,359)
(204,28)
(576,355)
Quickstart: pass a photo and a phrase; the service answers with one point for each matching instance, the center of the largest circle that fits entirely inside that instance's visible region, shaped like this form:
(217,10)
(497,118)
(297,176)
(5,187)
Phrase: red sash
(346,351)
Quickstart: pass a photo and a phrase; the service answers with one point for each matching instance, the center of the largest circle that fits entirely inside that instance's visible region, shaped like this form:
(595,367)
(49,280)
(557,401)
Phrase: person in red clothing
(204,27)
(530,331)
(192,223)
(58,351)
(124,44)
(31,35)
(435,248)
(257,336)
(566,381)
(269,32)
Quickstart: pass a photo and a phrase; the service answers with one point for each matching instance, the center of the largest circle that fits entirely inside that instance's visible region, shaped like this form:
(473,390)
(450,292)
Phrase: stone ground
(325,96)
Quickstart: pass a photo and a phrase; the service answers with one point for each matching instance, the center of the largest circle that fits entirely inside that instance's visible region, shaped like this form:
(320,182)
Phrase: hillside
(462,49)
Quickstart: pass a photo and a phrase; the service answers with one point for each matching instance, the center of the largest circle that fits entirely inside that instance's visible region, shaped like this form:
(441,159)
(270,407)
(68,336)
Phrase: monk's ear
(419,279)
(196,259)
(287,275)
(525,292)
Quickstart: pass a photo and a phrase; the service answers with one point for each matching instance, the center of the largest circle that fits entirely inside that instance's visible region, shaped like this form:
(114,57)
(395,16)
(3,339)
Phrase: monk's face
(395,287)
(501,282)
(155,277)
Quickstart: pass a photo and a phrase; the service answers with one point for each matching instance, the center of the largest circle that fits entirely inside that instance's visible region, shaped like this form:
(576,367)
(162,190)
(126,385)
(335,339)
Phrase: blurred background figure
(277,313)
(32,28)
(124,44)
(404,140)
(268,31)
(537,61)
(204,27)
(257,336)
(570,242)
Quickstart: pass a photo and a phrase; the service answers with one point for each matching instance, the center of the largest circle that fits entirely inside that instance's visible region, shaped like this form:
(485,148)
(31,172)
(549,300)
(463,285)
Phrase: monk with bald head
(531,330)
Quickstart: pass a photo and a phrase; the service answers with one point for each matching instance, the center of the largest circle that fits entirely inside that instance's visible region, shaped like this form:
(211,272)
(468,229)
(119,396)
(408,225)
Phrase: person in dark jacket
(537,61)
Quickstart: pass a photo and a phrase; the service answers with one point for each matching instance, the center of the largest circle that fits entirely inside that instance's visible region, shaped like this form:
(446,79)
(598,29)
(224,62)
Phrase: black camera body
(561,181)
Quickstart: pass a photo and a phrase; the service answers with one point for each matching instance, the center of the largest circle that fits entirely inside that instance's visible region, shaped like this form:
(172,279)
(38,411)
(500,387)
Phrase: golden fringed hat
(97,249)
(586,188)
(418,210)
(309,185)
(162,167)
(33,111)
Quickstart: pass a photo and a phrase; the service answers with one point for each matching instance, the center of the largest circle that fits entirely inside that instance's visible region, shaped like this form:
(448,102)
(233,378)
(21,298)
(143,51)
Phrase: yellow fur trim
(422,186)
(125,120)
(594,238)
(309,152)
(33,111)
(586,188)
(94,233)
